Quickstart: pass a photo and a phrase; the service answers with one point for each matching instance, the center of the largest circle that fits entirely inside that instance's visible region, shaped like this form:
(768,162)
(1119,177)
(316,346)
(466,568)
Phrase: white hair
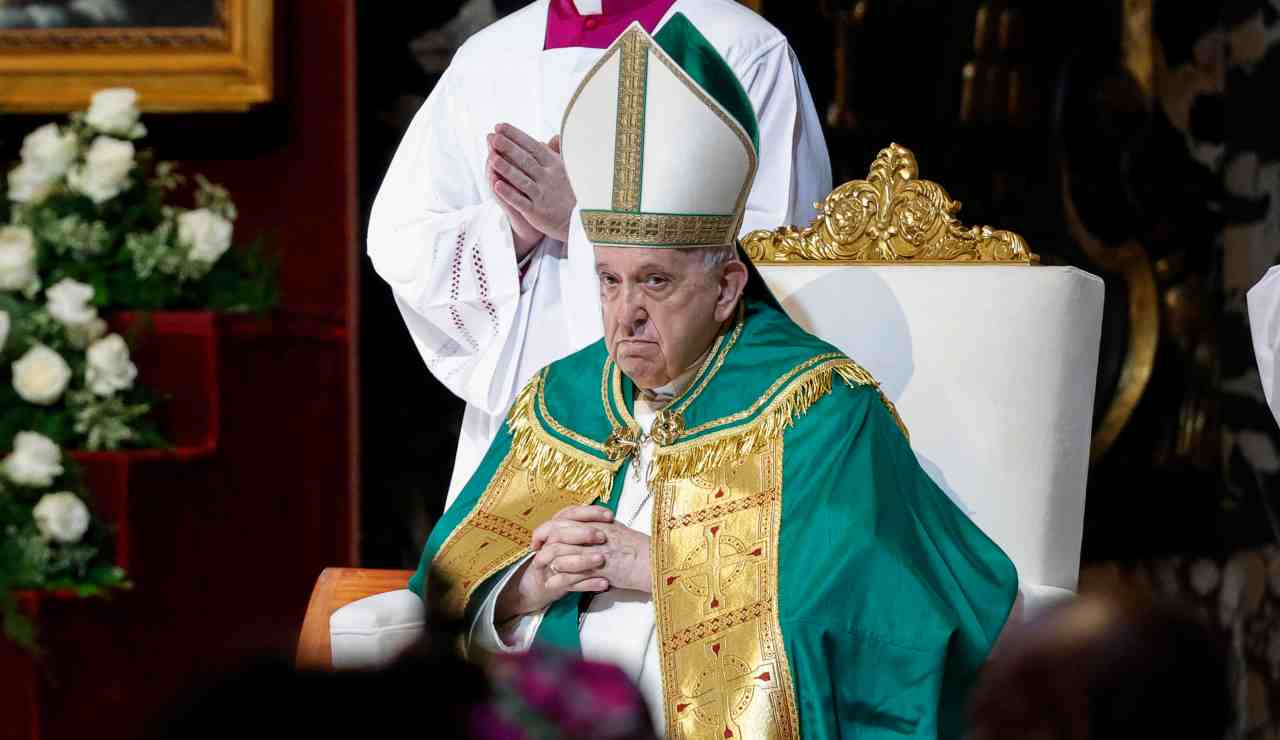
(713,257)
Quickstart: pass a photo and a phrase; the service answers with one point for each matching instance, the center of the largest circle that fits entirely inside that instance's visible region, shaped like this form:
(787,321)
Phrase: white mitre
(660,141)
(1264,320)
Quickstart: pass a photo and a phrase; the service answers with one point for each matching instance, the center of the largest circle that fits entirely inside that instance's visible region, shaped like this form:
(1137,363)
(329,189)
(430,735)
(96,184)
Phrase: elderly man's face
(663,308)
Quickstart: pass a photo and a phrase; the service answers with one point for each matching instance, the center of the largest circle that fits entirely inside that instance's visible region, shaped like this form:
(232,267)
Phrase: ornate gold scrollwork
(892,216)
(1131,262)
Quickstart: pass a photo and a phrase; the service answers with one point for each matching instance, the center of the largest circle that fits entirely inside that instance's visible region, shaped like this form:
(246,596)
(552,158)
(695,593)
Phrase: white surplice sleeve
(1264,322)
(483,634)
(795,169)
(444,245)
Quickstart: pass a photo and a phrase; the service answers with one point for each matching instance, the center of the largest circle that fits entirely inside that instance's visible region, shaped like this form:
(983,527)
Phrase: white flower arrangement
(83,195)
(50,537)
(89,225)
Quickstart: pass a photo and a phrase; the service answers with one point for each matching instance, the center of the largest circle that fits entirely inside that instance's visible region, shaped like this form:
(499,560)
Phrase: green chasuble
(809,579)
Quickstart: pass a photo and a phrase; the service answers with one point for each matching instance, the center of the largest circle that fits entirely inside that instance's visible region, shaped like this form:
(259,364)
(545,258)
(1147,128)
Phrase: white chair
(990,358)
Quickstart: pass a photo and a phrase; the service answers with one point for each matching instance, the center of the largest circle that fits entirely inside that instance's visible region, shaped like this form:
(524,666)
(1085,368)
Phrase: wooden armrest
(334,589)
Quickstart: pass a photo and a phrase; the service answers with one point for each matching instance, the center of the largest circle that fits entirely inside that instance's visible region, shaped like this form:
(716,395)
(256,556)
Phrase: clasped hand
(581,549)
(532,187)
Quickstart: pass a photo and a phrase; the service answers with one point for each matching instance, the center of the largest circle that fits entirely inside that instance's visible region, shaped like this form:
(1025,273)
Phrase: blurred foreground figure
(538,695)
(1105,668)
(531,696)
(1264,321)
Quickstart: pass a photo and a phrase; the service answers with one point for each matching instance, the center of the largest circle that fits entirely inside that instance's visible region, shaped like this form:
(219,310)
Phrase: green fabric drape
(889,597)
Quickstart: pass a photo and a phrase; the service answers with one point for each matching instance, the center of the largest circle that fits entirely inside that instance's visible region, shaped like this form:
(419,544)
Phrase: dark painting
(74,14)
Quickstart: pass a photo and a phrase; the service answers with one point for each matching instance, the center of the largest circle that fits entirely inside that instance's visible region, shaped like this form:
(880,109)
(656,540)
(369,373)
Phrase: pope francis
(710,497)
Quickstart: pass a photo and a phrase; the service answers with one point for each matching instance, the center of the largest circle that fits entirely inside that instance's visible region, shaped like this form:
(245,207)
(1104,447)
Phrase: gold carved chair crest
(890,217)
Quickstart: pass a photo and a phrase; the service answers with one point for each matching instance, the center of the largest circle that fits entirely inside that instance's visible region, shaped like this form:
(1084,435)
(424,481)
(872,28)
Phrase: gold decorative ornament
(622,443)
(667,427)
(890,217)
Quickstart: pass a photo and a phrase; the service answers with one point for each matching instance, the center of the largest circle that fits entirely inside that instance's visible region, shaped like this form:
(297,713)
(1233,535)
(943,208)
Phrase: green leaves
(106,423)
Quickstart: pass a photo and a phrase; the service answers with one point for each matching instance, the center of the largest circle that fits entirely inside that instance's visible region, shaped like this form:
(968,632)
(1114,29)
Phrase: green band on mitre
(686,45)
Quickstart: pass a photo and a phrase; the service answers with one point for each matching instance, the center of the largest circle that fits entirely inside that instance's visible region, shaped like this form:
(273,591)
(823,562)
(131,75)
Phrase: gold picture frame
(223,67)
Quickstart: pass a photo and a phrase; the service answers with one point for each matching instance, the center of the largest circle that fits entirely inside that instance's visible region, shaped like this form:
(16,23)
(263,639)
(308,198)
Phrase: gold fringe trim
(856,375)
(718,449)
(551,460)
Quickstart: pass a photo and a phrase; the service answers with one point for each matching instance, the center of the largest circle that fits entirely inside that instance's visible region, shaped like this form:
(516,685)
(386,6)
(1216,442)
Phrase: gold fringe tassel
(723,448)
(555,462)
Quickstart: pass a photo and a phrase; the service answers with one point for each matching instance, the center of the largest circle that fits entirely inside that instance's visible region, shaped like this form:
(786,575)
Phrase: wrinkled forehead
(629,259)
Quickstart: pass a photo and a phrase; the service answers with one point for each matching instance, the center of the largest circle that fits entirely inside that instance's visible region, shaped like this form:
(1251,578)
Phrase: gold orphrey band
(628,157)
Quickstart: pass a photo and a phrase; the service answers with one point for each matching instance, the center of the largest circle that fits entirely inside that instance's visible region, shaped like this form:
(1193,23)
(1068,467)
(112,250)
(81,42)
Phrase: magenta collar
(566,27)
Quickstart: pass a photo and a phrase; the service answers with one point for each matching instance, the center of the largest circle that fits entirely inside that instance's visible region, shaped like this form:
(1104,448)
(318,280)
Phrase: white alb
(1264,321)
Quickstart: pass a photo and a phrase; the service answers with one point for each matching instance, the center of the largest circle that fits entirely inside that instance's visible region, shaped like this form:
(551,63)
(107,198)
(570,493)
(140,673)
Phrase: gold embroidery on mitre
(725,672)
(628,142)
(539,476)
(653,230)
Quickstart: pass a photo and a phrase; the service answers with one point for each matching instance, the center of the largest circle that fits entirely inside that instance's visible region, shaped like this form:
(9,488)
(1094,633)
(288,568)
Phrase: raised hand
(531,180)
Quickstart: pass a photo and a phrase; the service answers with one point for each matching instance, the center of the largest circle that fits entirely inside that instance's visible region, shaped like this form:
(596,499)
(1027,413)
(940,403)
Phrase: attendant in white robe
(1264,321)
(484,320)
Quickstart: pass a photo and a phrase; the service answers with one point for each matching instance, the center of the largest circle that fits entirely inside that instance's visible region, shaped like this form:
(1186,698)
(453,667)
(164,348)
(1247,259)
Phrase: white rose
(4,328)
(115,111)
(109,368)
(41,375)
(18,259)
(105,171)
(27,184)
(35,460)
(207,233)
(85,334)
(49,151)
(61,517)
(69,303)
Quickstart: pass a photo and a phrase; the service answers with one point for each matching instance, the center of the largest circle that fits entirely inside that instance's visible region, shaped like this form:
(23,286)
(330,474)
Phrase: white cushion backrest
(993,371)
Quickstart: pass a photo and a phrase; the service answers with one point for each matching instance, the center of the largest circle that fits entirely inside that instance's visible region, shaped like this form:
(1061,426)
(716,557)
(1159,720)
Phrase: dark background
(1155,492)
(141,13)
